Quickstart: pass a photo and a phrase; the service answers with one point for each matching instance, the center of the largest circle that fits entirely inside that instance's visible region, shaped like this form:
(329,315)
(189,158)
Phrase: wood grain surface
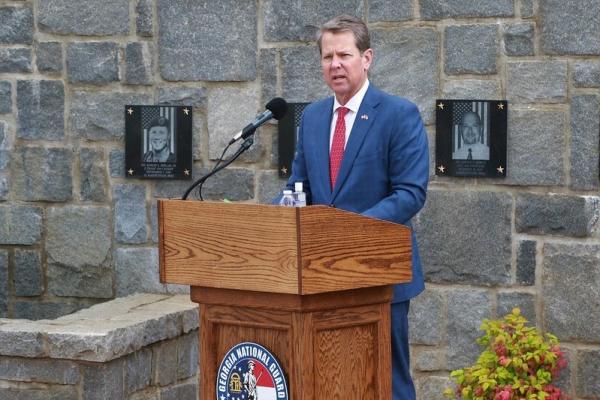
(236,246)
(342,250)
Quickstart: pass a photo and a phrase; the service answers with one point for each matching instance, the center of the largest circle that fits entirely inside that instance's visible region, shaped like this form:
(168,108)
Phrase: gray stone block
(103,381)
(36,310)
(148,394)
(138,370)
(95,115)
(5,100)
(235,184)
(144,18)
(537,82)
(463,55)
(165,362)
(94,63)
(472,89)
(154,221)
(570,27)
(585,133)
(432,387)
(289,20)
(526,255)
(428,360)
(15,60)
(39,370)
(70,230)
(565,378)
(48,392)
(41,108)
(406,64)
(4,183)
(524,301)
(440,9)
(6,141)
(182,96)
(466,311)
(92,175)
(481,254)
(28,273)
(49,57)
(518,39)
(21,225)
(187,355)
(269,186)
(139,65)
(535,154)
(586,74)
(137,271)
(83,17)
(527,10)
(130,214)
(116,163)
(80,281)
(426,318)
(571,289)
(182,58)
(3,283)
(385,10)
(42,174)
(182,391)
(588,364)
(17,25)
(267,71)
(302,79)
(555,214)
(221,102)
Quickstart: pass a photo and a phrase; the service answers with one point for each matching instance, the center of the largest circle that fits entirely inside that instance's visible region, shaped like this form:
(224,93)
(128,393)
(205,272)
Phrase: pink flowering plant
(518,363)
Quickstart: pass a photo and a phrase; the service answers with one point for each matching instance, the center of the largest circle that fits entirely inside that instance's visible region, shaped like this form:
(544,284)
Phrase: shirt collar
(354,103)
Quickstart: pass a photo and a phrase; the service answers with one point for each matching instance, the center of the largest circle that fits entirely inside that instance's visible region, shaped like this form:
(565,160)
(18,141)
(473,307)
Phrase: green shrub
(517,363)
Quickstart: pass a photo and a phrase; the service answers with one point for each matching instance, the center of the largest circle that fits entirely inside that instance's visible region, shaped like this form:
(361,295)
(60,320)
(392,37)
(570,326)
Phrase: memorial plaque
(471,138)
(288,137)
(158,142)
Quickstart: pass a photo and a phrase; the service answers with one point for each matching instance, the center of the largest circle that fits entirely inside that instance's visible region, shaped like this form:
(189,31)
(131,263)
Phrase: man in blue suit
(365,151)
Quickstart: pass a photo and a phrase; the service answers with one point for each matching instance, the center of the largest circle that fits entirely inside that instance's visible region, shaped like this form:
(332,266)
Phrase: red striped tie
(337,145)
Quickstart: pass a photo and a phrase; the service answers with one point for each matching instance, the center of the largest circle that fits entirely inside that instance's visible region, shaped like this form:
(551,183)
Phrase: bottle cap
(298,187)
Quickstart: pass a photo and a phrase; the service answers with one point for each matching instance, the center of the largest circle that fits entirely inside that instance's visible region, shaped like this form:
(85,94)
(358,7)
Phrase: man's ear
(367,57)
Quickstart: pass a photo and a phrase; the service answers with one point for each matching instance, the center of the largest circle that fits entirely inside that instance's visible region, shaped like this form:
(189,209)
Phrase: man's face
(158,137)
(344,67)
(470,128)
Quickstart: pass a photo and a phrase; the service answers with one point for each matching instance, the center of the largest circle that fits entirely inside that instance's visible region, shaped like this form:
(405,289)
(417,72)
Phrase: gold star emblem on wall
(284,170)
(500,169)
(130,111)
(186,111)
(442,169)
(500,106)
(186,172)
(441,106)
(130,171)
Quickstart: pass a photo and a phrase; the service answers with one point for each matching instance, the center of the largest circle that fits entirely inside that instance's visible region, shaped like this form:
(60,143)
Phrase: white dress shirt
(353,105)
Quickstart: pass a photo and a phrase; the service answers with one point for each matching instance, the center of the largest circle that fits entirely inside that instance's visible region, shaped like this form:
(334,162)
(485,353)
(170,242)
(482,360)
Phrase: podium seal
(250,372)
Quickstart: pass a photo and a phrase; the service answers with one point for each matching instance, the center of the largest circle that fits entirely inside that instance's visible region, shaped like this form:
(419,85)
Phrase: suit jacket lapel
(322,128)
(364,119)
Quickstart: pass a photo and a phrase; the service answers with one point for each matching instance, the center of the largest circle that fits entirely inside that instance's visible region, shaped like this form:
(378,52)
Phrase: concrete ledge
(103,332)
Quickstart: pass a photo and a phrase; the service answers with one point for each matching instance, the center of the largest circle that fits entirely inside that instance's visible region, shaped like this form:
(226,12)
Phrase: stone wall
(74,231)
(137,347)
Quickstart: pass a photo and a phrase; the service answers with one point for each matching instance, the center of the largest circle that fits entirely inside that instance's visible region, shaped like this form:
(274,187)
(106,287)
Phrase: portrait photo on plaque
(158,142)
(471,138)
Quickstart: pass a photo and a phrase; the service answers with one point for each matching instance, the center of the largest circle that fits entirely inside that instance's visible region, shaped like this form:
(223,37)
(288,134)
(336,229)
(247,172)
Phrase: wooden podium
(312,284)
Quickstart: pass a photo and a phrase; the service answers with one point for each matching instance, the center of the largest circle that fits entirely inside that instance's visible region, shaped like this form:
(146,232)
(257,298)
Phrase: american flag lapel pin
(364,116)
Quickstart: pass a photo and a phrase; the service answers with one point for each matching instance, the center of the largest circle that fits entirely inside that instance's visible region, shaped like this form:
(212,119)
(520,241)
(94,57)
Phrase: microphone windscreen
(278,107)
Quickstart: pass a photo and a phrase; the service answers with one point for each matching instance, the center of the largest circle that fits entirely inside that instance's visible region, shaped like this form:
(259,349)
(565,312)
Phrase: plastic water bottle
(299,195)
(288,199)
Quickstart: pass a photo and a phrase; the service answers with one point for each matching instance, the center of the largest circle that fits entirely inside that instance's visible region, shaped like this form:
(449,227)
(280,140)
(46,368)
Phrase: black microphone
(276,108)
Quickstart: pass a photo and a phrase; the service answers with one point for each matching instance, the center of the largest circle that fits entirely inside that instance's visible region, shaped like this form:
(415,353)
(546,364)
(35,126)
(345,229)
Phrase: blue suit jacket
(385,169)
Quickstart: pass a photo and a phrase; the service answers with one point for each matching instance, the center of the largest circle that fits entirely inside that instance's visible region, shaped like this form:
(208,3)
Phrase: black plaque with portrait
(158,142)
(471,138)
(288,136)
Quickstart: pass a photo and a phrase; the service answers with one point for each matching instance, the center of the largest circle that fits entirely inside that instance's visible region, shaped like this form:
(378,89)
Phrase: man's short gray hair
(347,23)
